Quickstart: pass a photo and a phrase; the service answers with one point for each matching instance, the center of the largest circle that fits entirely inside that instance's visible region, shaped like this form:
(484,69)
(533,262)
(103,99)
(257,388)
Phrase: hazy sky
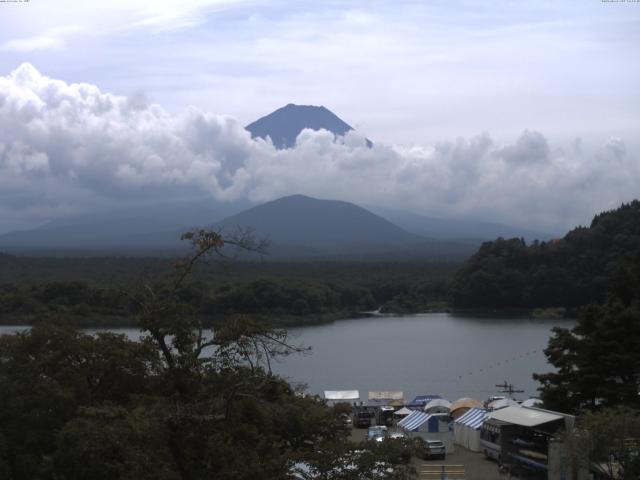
(524,112)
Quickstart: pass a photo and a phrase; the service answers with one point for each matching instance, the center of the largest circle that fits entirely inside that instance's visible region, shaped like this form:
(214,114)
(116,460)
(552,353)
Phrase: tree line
(285,293)
(589,265)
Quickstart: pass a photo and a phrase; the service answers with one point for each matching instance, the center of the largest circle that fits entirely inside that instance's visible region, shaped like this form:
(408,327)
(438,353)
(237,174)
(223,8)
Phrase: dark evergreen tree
(597,362)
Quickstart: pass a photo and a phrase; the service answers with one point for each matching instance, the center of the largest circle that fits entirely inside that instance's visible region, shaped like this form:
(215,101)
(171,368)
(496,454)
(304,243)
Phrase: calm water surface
(436,353)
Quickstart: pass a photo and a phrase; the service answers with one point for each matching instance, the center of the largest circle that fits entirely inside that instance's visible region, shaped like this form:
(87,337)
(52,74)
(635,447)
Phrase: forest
(93,291)
(589,265)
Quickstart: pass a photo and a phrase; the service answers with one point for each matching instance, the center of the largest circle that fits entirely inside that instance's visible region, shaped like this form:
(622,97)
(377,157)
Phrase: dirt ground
(476,466)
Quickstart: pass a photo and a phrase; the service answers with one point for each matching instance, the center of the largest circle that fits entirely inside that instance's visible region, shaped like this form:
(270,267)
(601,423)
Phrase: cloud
(531,147)
(71,147)
(39,42)
(53,38)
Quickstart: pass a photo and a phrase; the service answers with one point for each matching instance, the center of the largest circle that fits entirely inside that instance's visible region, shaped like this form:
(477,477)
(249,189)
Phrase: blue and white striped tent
(422,422)
(414,421)
(474,418)
(466,429)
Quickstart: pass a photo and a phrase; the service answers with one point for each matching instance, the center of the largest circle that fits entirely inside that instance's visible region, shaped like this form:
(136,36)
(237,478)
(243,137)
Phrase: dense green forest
(589,265)
(94,291)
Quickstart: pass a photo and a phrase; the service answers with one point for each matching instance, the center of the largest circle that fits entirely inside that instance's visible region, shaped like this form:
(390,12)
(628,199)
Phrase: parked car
(377,431)
(428,449)
(435,449)
(362,420)
(346,419)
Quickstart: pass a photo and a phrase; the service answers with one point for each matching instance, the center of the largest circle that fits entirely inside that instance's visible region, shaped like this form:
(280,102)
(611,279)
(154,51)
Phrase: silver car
(435,449)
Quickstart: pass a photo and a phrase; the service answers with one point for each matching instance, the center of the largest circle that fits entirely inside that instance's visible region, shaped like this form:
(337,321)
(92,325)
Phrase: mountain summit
(284,124)
(302,220)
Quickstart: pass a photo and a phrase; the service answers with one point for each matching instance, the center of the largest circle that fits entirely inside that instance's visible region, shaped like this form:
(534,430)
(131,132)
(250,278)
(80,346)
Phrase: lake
(435,353)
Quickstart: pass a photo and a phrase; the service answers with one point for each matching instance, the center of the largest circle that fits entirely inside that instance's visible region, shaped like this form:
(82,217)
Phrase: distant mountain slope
(298,227)
(285,124)
(588,265)
(301,220)
(142,229)
(456,229)
(304,228)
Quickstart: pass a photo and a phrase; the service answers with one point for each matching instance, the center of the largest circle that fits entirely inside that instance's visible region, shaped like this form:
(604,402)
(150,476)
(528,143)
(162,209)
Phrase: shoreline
(296,321)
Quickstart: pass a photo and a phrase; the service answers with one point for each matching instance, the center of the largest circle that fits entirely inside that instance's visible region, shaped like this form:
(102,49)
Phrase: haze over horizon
(519,114)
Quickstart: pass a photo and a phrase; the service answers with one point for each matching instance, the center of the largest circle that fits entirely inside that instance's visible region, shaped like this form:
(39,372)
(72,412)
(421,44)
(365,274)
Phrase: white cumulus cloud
(70,147)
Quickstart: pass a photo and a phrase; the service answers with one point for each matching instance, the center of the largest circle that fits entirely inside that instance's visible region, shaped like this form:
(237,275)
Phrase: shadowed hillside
(590,264)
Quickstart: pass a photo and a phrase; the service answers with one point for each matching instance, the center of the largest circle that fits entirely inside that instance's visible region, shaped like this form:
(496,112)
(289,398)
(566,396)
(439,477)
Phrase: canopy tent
(428,427)
(462,405)
(530,416)
(474,418)
(339,396)
(386,398)
(422,400)
(466,429)
(417,420)
(403,412)
(502,403)
(438,405)
(532,402)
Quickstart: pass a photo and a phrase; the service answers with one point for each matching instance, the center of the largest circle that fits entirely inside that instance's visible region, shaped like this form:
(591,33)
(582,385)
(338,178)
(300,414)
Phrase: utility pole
(508,388)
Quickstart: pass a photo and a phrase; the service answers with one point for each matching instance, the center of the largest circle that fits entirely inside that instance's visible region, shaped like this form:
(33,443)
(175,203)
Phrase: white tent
(532,402)
(386,395)
(341,396)
(386,398)
(502,403)
(438,405)
(403,412)
(466,429)
(530,416)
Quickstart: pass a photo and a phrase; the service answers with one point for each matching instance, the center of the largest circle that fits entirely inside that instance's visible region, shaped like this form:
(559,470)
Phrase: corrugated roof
(474,418)
(414,421)
(347,395)
(525,416)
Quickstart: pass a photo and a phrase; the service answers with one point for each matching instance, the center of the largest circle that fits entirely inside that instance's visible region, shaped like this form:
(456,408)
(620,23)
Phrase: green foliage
(183,403)
(113,442)
(84,290)
(607,442)
(588,265)
(278,296)
(597,362)
(49,372)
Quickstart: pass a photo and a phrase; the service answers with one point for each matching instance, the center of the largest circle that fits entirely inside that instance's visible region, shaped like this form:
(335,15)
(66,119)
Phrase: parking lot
(476,466)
